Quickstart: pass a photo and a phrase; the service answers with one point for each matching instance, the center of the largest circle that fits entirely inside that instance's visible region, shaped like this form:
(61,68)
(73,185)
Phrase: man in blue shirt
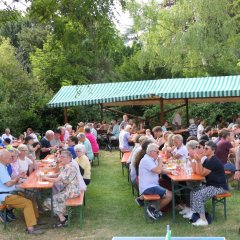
(8,197)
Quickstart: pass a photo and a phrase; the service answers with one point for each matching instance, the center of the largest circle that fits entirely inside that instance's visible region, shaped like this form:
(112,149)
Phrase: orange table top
(185,178)
(31,182)
(126,156)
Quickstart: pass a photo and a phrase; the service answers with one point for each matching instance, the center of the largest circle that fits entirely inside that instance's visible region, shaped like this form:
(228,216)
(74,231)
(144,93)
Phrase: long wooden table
(177,186)
(32,183)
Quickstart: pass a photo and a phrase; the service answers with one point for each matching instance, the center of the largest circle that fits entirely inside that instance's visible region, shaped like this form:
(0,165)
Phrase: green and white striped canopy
(178,88)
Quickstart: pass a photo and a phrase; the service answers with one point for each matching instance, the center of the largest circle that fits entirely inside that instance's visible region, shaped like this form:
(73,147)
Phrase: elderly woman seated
(212,169)
(88,147)
(84,164)
(68,177)
(25,164)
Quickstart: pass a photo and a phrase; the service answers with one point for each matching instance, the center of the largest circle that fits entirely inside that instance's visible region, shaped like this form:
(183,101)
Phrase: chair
(76,202)
(220,199)
(3,208)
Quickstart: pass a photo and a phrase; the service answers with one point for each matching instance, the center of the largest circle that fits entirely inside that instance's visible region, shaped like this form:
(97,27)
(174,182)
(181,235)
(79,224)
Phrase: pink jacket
(93,142)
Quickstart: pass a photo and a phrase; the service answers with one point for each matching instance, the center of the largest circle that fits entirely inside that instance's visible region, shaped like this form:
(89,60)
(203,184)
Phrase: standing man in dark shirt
(45,144)
(224,147)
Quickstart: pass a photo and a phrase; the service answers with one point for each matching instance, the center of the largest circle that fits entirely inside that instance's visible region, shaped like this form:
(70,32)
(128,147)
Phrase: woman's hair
(152,147)
(87,129)
(207,129)
(14,150)
(81,135)
(191,121)
(170,140)
(80,147)
(192,144)
(22,147)
(27,139)
(67,153)
(191,138)
(30,130)
(211,144)
(202,142)
(141,154)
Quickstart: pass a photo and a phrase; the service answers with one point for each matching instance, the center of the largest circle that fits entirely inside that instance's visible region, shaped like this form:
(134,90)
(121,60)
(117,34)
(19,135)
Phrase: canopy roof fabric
(178,88)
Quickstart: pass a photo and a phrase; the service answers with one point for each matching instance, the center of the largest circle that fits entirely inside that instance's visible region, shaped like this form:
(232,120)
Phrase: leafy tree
(192,38)
(83,46)
(22,98)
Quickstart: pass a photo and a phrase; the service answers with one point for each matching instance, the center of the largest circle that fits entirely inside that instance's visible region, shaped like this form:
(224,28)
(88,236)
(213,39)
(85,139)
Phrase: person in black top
(213,171)
(45,144)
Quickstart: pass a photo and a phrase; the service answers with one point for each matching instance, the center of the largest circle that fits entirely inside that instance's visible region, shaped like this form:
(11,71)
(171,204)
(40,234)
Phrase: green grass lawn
(111,211)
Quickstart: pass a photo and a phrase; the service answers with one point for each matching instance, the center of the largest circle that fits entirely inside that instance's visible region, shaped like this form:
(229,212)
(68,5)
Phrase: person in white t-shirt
(177,120)
(25,164)
(180,152)
(7,134)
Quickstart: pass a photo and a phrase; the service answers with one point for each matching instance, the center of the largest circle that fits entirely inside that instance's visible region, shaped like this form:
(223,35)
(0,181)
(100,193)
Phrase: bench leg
(84,199)
(225,208)
(69,216)
(81,216)
(123,169)
(128,169)
(5,218)
(213,208)
(146,204)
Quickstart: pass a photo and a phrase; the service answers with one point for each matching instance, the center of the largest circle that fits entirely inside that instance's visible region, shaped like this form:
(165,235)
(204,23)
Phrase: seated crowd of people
(208,152)
(74,152)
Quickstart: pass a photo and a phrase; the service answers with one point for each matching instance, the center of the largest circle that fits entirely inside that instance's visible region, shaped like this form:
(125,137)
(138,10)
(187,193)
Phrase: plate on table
(43,183)
(49,160)
(171,168)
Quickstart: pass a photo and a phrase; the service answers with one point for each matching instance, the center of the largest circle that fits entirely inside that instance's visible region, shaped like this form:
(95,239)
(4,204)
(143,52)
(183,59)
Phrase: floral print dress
(70,189)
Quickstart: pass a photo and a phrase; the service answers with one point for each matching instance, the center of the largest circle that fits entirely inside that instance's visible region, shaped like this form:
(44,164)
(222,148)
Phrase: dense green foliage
(22,98)
(192,38)
(58,43)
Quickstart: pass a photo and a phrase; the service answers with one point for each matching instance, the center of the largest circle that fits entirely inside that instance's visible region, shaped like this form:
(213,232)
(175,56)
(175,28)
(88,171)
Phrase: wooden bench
(148,199)
(220,199)
(76,202)
(3,208)
(124,160)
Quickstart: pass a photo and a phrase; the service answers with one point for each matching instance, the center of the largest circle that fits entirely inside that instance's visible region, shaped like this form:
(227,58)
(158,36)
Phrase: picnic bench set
(33,183)
(176,186)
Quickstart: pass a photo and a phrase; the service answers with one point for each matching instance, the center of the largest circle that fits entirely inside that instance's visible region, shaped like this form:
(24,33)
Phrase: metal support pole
(101,112)
(65,115)
(187,112)
(161,111)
